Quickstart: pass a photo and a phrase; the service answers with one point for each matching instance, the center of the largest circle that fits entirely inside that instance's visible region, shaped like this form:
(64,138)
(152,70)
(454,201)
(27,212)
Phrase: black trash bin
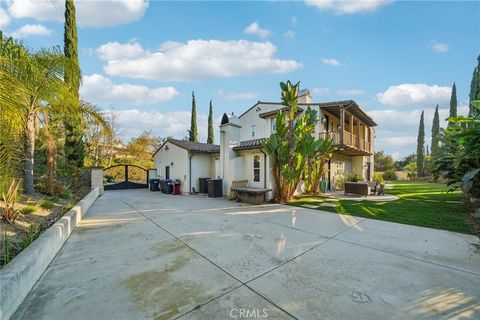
(203,185)
(168,186)
(154,184)
(215,188)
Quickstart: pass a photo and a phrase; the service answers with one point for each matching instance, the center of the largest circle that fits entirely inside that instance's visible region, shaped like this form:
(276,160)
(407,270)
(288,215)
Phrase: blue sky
(144,59)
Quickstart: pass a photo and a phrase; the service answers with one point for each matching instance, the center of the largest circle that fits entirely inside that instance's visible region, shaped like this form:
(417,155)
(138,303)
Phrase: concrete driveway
(145,255)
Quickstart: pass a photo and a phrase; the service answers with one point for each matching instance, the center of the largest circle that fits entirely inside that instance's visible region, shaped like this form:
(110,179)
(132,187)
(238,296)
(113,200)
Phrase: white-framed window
(274,124)
(254,131)
(256,168)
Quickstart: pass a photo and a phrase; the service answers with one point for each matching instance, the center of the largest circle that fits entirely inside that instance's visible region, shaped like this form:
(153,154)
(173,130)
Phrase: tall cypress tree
(475,88)
(421,147)
(210,124)
(74,146)
(453,101)
(193,123)
(435,132)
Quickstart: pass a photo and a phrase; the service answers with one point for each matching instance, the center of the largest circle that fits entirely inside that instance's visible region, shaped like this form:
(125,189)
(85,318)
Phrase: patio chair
(381,190)
(373,187)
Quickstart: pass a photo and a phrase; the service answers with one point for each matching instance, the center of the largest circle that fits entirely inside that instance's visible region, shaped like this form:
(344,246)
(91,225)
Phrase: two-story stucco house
(240,156)
(241,138)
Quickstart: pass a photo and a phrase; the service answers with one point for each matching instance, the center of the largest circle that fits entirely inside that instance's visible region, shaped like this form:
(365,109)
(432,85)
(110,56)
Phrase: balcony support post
(342,123)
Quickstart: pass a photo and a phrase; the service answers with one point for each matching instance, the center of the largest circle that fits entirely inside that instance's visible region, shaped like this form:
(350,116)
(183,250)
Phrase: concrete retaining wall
(19,276)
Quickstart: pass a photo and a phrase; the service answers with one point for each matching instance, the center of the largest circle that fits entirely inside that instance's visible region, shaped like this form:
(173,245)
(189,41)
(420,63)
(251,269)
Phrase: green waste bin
(324,185)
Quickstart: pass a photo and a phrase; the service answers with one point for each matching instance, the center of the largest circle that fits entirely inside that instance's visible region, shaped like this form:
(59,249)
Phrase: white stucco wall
(263,126)
(358,166)
(229,138)
(202,167)
(248,168)
(179,169)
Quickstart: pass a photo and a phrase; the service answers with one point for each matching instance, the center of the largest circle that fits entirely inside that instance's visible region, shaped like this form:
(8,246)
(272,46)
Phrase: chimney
(304,96)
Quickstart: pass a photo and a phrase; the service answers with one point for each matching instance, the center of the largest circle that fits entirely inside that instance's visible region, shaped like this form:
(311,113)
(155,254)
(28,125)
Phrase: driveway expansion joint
(210,261)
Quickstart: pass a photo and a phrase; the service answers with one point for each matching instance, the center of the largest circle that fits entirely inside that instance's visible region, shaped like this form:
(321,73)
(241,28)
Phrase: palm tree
(32,91)
(12,117)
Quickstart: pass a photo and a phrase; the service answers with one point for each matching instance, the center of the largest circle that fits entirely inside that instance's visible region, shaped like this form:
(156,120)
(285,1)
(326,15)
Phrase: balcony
(348,143)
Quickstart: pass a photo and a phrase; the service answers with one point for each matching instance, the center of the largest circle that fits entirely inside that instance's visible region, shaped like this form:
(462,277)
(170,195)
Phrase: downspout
(264,169)
(190,172)
(222,143)
(264,174)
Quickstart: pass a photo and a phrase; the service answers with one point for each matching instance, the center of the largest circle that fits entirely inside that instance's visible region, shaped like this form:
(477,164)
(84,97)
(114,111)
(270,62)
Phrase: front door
(167,172)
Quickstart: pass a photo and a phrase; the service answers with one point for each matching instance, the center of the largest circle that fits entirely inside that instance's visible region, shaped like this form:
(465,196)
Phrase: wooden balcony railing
(349,139)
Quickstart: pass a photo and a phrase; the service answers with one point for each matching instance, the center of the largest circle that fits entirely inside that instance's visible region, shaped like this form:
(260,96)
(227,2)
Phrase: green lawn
(438,215)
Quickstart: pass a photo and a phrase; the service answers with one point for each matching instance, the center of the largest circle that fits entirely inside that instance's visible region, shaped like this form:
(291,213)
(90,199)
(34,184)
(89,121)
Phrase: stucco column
(96,178)
(152,174)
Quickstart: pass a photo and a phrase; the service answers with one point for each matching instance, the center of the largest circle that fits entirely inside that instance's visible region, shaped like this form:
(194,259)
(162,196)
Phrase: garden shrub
(352,177)
(65,194)
(29,209)
(340,183)
(389,175)
(378,178)
(54,198)
(46,204)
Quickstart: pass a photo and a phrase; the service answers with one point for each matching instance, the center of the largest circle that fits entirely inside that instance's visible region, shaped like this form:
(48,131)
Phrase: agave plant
(9,211)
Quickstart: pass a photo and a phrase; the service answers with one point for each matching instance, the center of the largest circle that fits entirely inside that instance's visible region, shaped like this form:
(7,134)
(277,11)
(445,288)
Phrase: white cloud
(202,59)
(294,21)
(289,34)
(115,50)
(320,91)
(392,120)
(440,47)
(414,94)
(347,6)
(133,122)
(232,95)
(349,92)
(29,30)
(255,28)
(397,130)
(331,62)
(99,89)
(91,13)
(4,18)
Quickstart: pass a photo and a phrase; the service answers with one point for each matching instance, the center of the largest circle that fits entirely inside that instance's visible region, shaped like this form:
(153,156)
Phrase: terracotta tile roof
(250,144)
(191,146)
(274,112)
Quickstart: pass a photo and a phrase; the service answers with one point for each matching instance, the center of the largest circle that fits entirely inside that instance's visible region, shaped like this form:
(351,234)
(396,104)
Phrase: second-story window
(254,131)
